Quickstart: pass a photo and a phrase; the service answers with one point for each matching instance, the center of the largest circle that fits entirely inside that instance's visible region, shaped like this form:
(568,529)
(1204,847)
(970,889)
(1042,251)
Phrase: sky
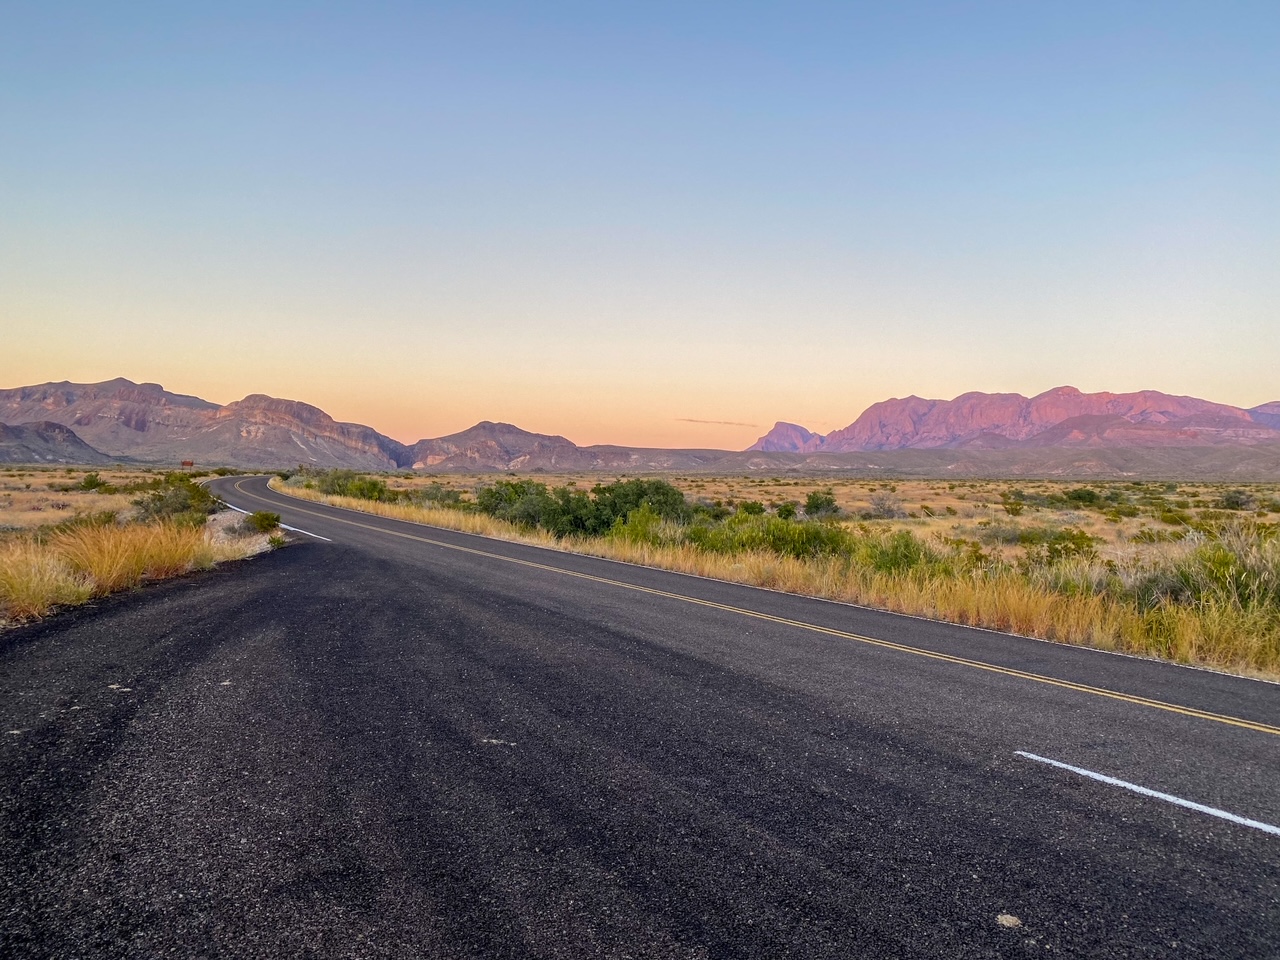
(640,223)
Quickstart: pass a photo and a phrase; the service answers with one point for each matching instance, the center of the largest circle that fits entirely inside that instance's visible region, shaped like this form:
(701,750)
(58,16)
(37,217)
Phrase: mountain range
(1062,417)
(1060,432)
(144,422)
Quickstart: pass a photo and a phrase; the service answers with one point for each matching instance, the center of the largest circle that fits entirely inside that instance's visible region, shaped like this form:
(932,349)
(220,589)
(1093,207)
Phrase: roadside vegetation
(67,535)
(1186,573)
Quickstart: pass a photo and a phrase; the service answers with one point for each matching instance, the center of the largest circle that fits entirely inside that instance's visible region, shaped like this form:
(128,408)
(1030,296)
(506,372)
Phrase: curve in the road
(803,625)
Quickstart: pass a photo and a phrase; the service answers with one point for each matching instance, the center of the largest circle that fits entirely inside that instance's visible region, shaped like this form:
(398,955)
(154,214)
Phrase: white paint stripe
(1167,797)
(307,532)
(283,525)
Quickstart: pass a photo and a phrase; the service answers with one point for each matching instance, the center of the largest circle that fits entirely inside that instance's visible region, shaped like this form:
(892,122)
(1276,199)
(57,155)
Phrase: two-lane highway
(401,741)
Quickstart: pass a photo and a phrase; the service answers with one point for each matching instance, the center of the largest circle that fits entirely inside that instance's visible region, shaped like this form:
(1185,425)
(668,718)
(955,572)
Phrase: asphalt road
(408,742)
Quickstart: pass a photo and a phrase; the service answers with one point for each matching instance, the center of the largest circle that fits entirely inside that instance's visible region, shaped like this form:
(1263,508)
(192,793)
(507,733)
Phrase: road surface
(399,741)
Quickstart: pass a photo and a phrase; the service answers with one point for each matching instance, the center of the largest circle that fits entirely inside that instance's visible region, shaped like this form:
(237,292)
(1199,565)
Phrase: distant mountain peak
(499,429)
(784,438)
(1000,419)
(498,446)
(1267,414)
(261,404)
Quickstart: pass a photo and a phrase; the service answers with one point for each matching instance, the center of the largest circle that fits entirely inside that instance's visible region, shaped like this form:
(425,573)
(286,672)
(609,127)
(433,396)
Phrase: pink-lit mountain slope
(784,437)
(978,433)
(1060,417)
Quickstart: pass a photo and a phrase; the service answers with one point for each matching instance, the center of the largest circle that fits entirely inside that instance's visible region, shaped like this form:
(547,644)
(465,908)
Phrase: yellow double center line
(802,625)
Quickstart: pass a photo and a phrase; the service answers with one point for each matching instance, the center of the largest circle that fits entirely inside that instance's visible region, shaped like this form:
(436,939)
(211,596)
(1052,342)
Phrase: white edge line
(1167,797)
(283,526)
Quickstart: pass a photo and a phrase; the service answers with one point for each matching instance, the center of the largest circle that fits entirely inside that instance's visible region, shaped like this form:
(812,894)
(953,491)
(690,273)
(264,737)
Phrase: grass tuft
(38,574)
(33,579)
(118,558)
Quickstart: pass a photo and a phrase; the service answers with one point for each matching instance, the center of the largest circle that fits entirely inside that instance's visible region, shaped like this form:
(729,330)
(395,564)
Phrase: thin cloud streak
(718,423)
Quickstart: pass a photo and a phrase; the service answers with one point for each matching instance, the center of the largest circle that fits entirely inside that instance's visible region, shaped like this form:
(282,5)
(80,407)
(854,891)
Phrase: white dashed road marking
(1166,797)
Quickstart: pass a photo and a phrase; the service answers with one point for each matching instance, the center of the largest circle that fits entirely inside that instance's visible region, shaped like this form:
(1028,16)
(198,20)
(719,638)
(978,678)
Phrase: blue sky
(609,220)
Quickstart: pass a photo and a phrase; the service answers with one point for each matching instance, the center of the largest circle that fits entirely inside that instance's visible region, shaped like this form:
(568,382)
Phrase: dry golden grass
(32,497)
(37,575)
(34,579)
(1221,637)
(40,570)
(118,558)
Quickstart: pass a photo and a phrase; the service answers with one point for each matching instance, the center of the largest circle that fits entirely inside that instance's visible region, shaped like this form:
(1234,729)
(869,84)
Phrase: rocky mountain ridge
(143,421)
(120,419)
(45,442)
(1063,416)
(1060,432)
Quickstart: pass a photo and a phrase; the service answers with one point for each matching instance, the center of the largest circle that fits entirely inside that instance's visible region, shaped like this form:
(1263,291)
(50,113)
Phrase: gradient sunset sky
(652,224)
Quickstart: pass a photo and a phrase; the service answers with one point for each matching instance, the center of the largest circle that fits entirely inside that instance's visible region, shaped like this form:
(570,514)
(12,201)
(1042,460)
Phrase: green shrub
(1048,545)
(348,483)
(968,553)
(804,538)
(177,498)
(821,503)
(566,510)
(522,502)
(1242,568)
(641,526)
(1238,500)
(262,521)
(895,553)
(1083,497)
(341,483)
(616,500)
(710,511)
(438,494)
